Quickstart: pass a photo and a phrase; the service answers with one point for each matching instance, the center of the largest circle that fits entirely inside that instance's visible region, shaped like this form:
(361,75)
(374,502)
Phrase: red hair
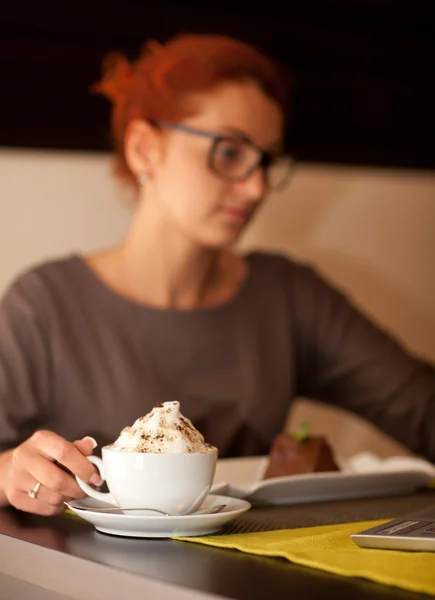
(157,84)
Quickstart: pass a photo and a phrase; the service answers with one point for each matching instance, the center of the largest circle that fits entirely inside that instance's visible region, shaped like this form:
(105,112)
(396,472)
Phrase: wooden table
(63,557)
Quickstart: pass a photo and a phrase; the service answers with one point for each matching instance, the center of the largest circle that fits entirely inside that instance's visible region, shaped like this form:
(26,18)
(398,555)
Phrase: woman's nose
(254,187)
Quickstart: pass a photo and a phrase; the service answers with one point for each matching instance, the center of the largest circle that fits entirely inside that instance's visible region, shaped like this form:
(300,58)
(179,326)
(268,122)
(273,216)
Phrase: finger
(21,480)
(55,447)
(86,445)
(44,494)
(45,502)
(37,506)
(50,475)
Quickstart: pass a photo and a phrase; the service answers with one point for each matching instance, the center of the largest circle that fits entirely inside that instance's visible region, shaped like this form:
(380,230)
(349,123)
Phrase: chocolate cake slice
(299,453)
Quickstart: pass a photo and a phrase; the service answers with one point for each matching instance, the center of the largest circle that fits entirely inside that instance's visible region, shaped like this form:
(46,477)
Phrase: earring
(142,179)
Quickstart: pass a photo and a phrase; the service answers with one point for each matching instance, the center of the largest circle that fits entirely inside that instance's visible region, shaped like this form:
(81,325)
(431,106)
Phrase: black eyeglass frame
(266,159)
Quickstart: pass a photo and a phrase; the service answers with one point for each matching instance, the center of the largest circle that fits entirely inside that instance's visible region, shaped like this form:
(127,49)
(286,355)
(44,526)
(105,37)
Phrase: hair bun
(116,79)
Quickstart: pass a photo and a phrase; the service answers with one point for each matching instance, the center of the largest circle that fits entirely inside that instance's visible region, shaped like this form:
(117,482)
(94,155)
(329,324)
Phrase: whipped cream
(162,431)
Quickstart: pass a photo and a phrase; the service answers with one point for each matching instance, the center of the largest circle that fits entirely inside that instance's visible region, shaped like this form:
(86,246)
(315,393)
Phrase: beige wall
(372,231)
(52,203)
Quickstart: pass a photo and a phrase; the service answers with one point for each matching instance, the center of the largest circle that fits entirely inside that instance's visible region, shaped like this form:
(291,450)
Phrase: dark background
(363,71)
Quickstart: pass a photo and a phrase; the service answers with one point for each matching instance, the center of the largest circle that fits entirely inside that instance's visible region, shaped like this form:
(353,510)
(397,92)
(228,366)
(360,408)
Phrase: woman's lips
(238,214)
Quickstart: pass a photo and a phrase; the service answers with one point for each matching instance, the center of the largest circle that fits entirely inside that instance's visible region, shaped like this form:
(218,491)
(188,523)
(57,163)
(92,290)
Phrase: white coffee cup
(173,483)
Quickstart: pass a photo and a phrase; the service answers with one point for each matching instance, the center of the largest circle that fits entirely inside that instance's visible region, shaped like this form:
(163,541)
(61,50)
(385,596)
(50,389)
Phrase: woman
(89,343)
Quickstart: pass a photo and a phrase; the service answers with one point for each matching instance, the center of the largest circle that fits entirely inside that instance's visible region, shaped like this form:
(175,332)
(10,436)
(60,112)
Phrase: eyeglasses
(236,159)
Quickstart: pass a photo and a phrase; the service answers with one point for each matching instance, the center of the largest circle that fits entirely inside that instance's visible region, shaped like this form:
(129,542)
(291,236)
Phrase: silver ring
(34,491)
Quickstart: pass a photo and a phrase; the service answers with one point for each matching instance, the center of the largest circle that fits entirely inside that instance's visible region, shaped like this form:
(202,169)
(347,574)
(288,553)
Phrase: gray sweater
(79,359)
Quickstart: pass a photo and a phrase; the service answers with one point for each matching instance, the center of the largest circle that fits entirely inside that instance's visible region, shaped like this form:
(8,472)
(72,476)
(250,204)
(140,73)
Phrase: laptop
(413,531)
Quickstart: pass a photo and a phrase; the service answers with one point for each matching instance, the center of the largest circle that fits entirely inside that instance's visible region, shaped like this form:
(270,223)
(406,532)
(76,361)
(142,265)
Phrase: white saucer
(157,526)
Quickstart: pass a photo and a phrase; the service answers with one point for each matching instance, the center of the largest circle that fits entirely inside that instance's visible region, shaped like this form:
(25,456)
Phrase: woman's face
(195,195)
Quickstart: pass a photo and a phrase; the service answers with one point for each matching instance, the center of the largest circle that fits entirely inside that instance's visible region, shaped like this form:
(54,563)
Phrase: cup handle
(102,496)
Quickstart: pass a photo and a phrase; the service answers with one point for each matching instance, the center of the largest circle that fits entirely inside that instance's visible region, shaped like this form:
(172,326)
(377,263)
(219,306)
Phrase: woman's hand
(34,461)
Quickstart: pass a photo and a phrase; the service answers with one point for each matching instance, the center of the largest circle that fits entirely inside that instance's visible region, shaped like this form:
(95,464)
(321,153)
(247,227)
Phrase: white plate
(365,475)
(160,526)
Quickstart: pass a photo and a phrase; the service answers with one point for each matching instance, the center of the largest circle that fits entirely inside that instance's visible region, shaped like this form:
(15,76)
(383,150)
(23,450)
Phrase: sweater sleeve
(24,361)
(344,358)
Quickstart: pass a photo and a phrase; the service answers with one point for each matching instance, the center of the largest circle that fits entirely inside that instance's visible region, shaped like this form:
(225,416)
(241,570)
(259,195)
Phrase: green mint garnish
(302,433)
